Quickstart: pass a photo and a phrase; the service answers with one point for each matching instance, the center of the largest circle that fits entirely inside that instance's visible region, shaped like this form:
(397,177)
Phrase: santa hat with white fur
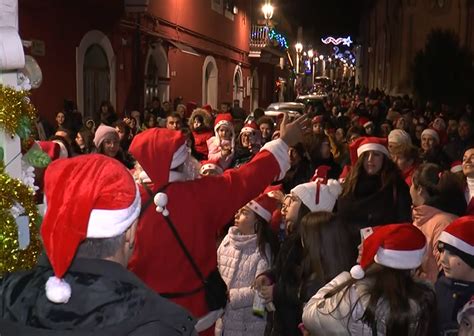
(431,133)
(365,144)
(318,195)
(264,206)
(456,167)
(211,165)
(250,127)
(399,246)
(89,196)
(460,236)
(223,119)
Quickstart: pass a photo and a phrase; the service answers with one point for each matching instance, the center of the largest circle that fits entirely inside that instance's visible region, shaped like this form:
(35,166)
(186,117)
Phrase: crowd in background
(376,160)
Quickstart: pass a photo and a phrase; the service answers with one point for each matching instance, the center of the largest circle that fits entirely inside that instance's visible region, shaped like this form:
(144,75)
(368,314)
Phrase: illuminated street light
(267,10)
(321,57)
(298,48)
(310,53)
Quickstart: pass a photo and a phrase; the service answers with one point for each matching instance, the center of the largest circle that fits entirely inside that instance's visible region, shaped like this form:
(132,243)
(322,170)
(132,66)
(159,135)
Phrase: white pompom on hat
(399,246)
(89,196)
(318,195)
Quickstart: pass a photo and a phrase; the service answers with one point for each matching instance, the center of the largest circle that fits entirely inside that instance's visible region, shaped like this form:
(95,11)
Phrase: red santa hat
(460,234)
(364,122)
(365,144)
(158,151)
(89,196)
(210,165)
(318,195)
(456,167)
(399,246)
(223,119)
(51,148)
(102,132)
(399,137)
(250,127)
(432,133)
(469,306)
(317,119)
(208,108)
(264,206)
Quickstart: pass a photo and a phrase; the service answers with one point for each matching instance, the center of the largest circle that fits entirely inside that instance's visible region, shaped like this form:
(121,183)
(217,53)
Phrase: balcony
(258,40)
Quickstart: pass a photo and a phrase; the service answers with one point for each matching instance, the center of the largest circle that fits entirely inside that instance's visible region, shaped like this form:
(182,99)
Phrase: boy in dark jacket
(456,286)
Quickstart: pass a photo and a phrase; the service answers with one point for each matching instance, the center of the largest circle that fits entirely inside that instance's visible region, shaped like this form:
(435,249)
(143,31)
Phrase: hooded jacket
(203,134)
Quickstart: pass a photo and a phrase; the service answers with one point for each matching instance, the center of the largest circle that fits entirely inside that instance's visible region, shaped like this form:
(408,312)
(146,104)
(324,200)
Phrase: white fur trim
(63,153)
(400,259)
(226,123)
(259,210)
(57,290)
(456,169)
(357,272)
(210,166)
(372,147)
(247,129)
(327,195)
(279,149)
(111,223)
(179,156)
(454,241)
(432,133)
(368,123)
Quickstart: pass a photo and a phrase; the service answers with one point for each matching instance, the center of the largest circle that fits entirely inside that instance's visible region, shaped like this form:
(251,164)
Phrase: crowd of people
(355,219)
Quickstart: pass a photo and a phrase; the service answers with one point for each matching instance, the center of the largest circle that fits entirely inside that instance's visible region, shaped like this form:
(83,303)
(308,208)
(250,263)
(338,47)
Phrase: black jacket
(451,296)
(106,299)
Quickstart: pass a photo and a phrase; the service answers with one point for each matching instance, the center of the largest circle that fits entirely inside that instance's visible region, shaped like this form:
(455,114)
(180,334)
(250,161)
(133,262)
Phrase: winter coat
(106,299)
(213,145)
(240,261)
(298,174)
(202,134)
(341,313)
(370,205)
(286,274)
(451,296)
(431,221)
(198,209)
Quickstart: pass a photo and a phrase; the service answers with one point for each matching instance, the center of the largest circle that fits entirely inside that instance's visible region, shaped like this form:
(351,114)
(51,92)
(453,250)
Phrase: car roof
(286,106)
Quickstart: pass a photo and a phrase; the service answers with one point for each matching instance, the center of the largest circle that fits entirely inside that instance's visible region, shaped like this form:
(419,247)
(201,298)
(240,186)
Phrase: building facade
(129,51)
(393,31)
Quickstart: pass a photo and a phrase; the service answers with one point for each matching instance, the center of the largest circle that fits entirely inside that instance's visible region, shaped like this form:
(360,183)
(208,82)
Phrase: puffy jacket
(240,261)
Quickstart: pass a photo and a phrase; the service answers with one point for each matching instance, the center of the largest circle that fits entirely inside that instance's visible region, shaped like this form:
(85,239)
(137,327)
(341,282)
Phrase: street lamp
(267,10)
(311,55)
(298,48)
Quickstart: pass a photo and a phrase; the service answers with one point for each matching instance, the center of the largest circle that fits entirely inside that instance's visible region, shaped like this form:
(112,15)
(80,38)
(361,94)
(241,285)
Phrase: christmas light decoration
(336,41)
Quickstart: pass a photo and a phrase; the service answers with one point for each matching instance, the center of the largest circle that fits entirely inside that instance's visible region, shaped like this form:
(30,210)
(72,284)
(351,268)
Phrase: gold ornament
(11,257)
(15,105)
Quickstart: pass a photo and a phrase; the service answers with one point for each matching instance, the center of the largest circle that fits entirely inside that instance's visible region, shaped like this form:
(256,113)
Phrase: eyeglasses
(288,200)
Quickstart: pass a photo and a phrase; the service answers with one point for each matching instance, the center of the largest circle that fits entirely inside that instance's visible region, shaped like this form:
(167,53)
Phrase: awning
(184,48)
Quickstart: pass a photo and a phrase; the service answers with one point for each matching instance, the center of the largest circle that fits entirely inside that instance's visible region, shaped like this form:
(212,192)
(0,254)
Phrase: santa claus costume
(195,211)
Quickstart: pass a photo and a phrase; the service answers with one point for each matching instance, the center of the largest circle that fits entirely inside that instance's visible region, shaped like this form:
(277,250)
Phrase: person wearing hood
(80,285)
(221,145)
(200,124)
(195,212)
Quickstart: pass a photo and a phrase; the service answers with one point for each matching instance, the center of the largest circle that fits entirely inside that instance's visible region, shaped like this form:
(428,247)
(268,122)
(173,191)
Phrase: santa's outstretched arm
(236,187)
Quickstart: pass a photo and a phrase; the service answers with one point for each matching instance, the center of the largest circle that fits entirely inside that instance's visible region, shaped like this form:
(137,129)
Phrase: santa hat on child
(365,122)
(458,237)
(51,148)
(208,108)
(223,119)
(210,165)
(166,145)
(317,119)
(468,307)
(101,133)
(320,194)
(264,206)
(456,167)
(89,196)
(251,127)
(399,246)
(365,144)
(432,133)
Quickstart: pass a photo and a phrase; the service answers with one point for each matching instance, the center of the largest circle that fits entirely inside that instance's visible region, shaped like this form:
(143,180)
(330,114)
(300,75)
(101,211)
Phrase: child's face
(196,123)
(224,133)
(289,211)
(245,220)
(466,327)
(454,267)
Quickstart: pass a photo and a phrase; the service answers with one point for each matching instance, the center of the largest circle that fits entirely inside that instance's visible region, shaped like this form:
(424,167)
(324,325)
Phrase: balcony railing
(259,37)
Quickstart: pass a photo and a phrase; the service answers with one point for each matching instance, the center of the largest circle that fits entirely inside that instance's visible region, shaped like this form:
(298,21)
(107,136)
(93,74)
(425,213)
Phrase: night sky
(322,18)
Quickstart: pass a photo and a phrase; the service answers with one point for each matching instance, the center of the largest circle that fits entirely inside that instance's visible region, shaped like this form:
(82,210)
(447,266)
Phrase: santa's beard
(187,171)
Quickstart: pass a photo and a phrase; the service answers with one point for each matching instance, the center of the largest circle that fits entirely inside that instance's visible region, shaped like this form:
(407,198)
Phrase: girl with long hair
(374,192)
(438,199)
(380,296)
(247,250)
(107,142)
(85,141)
(282,285)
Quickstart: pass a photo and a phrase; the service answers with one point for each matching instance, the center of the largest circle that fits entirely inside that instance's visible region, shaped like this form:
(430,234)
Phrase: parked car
(292,108)
(316,100)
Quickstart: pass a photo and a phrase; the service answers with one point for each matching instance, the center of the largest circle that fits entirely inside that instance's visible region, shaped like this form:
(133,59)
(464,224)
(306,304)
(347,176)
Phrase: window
(218,6)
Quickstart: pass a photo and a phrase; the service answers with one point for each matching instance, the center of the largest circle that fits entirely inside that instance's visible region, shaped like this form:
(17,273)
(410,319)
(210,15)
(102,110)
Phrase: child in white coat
(245,252)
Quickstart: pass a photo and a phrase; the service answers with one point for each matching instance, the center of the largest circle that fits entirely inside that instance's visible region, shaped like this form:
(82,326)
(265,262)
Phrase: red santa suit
(198,210)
